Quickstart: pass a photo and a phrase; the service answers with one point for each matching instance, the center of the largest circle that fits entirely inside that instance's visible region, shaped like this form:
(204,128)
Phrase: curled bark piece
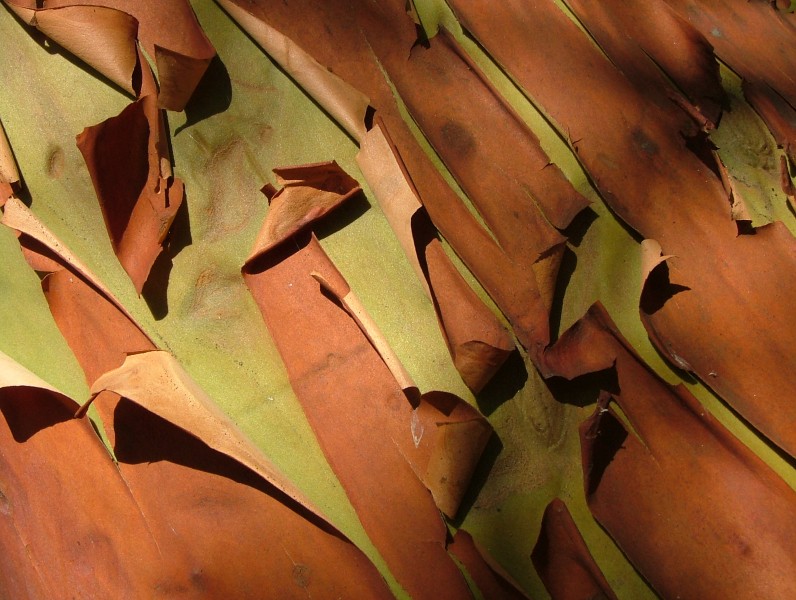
(317,190)
(128,160)
(742,304)
(477,341)
(693,508)
(169,495)
(433,441)
(449,437)
(102,37)
(739,208)
(103,34)
(346,104)
(157,382)
(563,560)
(492,581)
(9,175)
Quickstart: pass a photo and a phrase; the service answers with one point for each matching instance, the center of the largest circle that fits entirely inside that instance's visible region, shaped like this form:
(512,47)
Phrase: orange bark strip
(492,581)
(139,201)
(359,413)
(731,321)
(494,156)
(478,343)
(168,32)
(666,57)
(743,353)
(343,37)
(342,373)
(234,534)
(103,38)
(68,524)
(563,560)
(696,511)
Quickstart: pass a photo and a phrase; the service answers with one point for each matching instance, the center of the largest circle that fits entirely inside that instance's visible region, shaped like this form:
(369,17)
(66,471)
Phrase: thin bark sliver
(478,343)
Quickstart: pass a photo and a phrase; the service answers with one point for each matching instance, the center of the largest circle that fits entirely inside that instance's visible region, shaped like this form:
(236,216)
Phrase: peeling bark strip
(563,560)
(358,41)
(492,581)
(753,38)
(732,325)
(359,414)
(478,343)
(173,518)
(103,34)
(694,509)
(778,115)
(128,159)
(493,155)
(385,447)
(666,57)
(191,507)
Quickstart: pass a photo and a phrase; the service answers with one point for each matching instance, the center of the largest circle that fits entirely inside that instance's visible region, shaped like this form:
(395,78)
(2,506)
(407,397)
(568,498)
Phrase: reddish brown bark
(358,411)
(563,560)
(694,509)
(661,53)
(753,38)
(730,324)
(167,30)
(355,41)
(124,156)
(174,516)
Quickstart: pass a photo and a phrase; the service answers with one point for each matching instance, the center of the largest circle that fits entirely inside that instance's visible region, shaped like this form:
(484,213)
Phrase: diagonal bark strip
(563,560)
(359,411)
